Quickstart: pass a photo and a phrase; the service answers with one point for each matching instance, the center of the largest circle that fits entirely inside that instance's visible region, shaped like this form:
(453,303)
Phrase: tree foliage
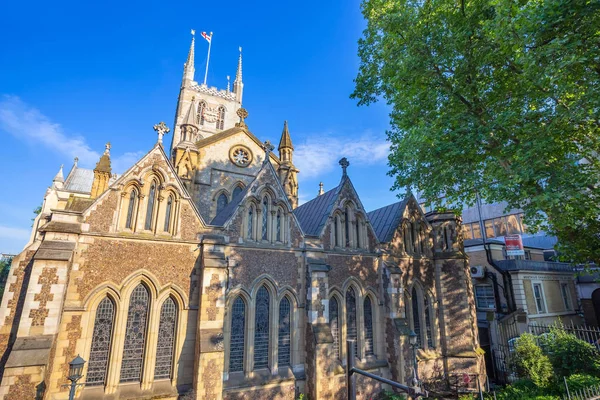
(570,355)
(496,97)
(530,362)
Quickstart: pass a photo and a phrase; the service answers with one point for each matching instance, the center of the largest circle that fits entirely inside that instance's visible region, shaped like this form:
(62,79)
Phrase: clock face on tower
(240,156)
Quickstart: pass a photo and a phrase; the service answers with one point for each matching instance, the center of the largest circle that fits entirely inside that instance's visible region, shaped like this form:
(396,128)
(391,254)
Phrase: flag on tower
(206,36)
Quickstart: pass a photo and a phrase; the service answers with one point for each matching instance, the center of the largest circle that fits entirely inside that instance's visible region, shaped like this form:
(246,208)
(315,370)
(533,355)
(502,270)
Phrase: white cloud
(7,232)
(320,154)
(27,123)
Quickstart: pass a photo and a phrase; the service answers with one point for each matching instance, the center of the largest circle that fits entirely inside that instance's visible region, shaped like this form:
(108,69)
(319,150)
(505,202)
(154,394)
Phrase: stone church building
(196,272)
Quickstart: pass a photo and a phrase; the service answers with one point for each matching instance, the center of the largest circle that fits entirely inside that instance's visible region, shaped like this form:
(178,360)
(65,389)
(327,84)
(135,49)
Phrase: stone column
(396,323)
(208,376)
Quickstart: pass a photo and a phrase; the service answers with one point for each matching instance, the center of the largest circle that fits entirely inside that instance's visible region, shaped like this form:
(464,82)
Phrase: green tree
(570,355)
(496,97)
(4,270)
(530,362)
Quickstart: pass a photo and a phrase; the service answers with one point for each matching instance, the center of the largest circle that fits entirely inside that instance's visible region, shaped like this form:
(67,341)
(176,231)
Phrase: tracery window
(284,342)
(416,317)
(221,202)
(351,328)
(135,335)
(368,314)
(131,209)
(168,214)
(265,219)
(221,118)
(150,209)
(334,323)
(201,108)
(166,340)
(237,341)
(236,191)
(261,329)
(250,222)
(101,341)
(428,331)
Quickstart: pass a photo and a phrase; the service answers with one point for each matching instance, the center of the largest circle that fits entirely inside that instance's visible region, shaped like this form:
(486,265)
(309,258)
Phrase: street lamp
(75,374)
(412,339)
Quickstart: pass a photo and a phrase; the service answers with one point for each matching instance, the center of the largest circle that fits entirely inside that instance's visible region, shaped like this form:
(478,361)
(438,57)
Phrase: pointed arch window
(131,209)
(284,340)
(265,219)
(278,224)
(237,341)
(351,319)
(334,324)
(428,330)
(101,341)
(336,231)
(236,191)
(150,209)
(405,238)
(347,227)
(201,108)
(221,118)
(221,202)
(261,329)
(368,314)
(416,317)
(166,340)
(250,222)
(168,212)
(358,235)
(135,335)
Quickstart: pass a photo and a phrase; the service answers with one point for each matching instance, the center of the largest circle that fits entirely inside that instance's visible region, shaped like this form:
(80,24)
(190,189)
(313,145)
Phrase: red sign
(514,245)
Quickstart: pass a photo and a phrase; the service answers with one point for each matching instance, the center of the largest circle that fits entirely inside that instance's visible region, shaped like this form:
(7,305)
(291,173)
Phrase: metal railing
(414,392)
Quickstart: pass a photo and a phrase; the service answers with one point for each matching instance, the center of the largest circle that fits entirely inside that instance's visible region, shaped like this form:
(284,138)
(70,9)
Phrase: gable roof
(385,220)
(80,180)
(313,215)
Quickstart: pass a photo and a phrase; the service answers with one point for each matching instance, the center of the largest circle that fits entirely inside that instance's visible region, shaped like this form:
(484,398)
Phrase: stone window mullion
(249,354)
(149,364)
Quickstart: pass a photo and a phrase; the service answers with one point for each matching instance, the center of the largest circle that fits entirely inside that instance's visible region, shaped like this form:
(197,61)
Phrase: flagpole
(207,59)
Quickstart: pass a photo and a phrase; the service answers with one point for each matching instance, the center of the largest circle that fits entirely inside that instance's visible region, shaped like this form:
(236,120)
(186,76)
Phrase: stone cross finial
(107,148)
(268,147)
(75,160)
(321,190)
(243,114)
(345,164)
(162,129)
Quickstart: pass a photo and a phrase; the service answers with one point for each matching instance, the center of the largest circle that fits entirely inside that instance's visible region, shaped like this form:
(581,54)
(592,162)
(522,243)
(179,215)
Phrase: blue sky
(74,75)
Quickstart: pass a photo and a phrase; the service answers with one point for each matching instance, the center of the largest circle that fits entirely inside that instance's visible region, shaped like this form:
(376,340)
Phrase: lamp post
(75,374)
(412,339)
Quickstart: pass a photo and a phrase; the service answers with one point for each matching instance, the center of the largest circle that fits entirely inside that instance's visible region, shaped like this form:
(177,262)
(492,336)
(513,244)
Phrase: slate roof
(385,220)
(81,179)
(313,215)
(227,212)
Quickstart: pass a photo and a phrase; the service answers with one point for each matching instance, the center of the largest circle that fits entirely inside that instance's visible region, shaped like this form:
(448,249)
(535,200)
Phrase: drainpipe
(507,288)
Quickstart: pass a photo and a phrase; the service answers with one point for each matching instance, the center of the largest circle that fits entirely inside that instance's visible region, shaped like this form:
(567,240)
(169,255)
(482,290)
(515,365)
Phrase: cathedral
(196,274)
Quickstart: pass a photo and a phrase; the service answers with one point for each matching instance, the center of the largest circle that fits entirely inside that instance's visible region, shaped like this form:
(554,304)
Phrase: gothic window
(334,323)
(250,221)
(415,237)
(423,240)
(428,331)
(265,219)
(168,210)
(278,223)
(131,209)
(150,209)
(101,341)
(336,231)
(358,235)
(221,202)
(368,313)
(405,237)
(284,342)
(135,335)
(238,327)
(201,108)
(351,328)
(166,340)
(416,317)
(236,191)
(221,119)
(347,227)
(261,329)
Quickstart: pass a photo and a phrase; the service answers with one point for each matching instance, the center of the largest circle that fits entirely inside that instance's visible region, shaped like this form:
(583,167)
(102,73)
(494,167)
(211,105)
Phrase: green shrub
(523,389)
(580,381)
(387,395)
(530,362)
(570,355)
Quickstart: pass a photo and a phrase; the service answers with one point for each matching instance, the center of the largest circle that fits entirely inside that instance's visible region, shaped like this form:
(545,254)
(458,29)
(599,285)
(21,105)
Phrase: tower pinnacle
(238,85)
(188,68)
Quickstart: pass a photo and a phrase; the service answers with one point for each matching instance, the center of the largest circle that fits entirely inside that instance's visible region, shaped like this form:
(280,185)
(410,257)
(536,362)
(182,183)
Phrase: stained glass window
(236,191)
(238,331)
(130,209)
(265,218)
(135,335)
(221,120)
(168,214)
(351,329)
(166,340)
(416,316)
(201,108)
(101,340)
(428,332)
(334,323)
(221,202)
(150,209)
(368,311)
(261,329)
(278,223)
(283,355)
(250,221)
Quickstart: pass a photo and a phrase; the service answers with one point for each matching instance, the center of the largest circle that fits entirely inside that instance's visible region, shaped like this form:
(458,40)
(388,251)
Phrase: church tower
(287,171)
(213,110)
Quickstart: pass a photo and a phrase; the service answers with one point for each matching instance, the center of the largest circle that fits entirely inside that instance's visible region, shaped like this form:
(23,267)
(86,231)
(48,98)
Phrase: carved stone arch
(172,188)
(336,291)
(95,296)
(174,291)
(133,183)
(236,291)
(268,282)
(221,191)
(269,192)
(355,283)
(141,276)
(235,185)
(154,171)
(289,291)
